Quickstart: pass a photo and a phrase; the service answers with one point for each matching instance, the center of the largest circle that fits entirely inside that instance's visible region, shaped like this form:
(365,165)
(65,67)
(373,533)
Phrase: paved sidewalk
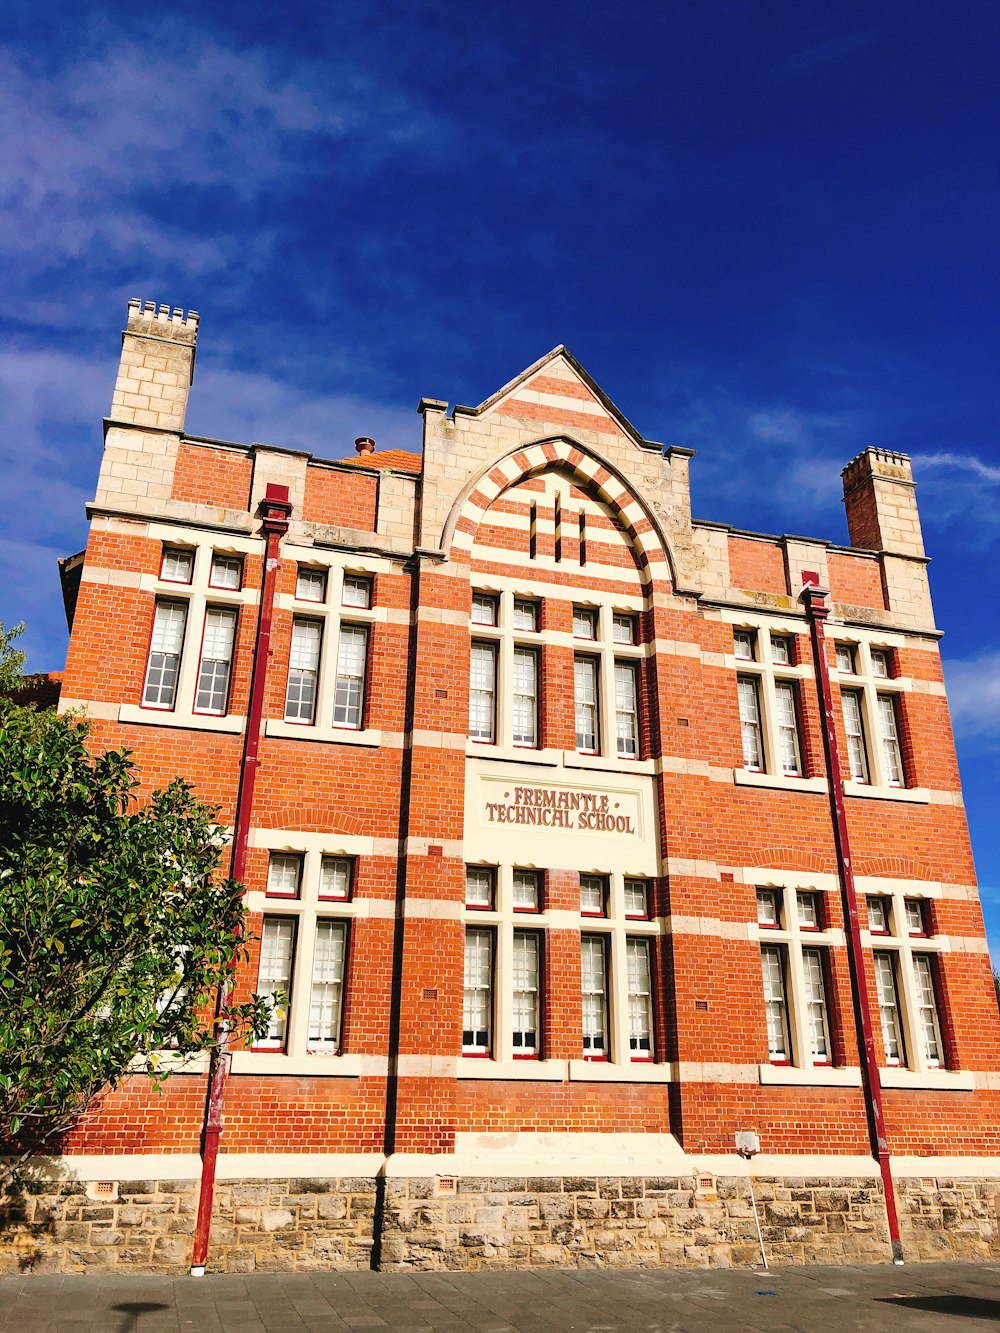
(919,1296)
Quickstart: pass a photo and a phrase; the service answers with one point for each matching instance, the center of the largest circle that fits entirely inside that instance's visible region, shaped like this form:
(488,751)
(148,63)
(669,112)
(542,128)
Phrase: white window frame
(785,917)
(594,989)
(307,666)
(478,1041)
(350,685)
(769,684)
(509,914)
(155,694)
(627,708)
(356,591)
(228,566)
(639,988)
(215,661)
(587,702)
(524,697)
(910,954)
(176,558)
(858,750)
(526,986)
(483,691)
(311,583)
(884,767)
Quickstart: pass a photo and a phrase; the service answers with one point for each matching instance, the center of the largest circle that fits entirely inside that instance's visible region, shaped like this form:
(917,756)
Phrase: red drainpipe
(274,512)
(817,611)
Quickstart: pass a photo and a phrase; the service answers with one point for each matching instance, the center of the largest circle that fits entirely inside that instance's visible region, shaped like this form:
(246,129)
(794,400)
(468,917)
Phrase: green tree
(11,659)
(116,928)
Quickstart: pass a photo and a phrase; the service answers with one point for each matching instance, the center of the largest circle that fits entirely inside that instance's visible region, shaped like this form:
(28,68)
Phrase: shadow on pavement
(967,1307)
(133,1309)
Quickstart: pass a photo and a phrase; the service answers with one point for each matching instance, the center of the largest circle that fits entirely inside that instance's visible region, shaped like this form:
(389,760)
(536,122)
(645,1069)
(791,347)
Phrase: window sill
(745,777)
(312,1066)
(816,1076)
(162,717)
(940,1080)
(298,731)
(606,763)
(536,1070)
(511,754)
(605,1071)
(914,795)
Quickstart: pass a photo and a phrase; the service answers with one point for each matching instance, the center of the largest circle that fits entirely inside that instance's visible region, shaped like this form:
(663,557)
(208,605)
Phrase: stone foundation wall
(493,1223)
(632,1222)
(147,1226)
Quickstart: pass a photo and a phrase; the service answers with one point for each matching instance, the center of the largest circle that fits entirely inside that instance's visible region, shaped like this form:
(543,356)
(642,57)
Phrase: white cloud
(974,697)
(963,462)
(98,153)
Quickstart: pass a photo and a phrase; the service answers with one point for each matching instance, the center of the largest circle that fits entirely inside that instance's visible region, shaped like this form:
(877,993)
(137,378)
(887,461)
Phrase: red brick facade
(574,535)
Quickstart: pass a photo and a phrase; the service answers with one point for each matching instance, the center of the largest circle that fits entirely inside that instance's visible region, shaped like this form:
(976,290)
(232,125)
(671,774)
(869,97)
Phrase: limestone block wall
(146,1226)
(481,1222)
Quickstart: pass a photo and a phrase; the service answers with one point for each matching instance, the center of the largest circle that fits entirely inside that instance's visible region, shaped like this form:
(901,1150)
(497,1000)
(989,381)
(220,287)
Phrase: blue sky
(767,228)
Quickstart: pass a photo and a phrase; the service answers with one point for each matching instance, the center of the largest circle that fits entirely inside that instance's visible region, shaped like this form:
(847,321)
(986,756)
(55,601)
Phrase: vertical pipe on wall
(274,511)
(817,611)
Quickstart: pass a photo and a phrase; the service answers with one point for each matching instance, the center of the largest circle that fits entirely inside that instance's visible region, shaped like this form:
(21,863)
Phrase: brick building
(542,844)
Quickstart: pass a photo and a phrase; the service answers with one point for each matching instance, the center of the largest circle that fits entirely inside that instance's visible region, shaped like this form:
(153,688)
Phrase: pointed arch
(651,545)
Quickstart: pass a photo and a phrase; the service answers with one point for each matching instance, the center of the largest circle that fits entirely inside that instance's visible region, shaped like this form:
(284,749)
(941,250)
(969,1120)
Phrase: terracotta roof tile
(395,458)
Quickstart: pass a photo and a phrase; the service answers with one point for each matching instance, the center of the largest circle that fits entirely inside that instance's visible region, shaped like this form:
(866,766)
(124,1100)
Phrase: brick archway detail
(650,544)
(893,867)
(793,859)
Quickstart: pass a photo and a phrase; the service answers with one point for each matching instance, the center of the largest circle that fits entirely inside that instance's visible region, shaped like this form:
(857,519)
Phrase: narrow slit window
(749,705)
(640,1000)
(215,668)
(817,1020)
(889,732)
(349,689)
(626,710)
(593,976)
(326,995)
(525,709)
(585,699)
(527,992)
(854,726)
(928,1023)
(888,1008)
(165,648)
(303,671)
(583,538)
(482,692)
(274,979)
(772,962)
(788,729)
(477,1003)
